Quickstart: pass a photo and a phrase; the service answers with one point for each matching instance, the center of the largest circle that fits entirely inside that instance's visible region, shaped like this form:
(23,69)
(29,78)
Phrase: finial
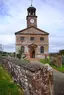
(31,2)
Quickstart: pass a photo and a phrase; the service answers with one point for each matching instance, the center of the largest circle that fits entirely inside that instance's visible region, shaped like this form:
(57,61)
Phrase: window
(22,49)
(41,49)
(22,38)
(41,38)
(32,38)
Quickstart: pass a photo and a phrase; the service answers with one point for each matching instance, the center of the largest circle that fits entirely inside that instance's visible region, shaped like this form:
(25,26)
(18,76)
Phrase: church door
(32,53)
(32,50)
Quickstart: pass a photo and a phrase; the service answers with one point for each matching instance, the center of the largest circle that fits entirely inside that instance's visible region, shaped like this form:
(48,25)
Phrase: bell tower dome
(31,17)
(31,11)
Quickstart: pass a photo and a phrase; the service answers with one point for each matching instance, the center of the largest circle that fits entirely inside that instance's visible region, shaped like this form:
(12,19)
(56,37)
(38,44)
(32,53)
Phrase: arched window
(22,49)
(41,49)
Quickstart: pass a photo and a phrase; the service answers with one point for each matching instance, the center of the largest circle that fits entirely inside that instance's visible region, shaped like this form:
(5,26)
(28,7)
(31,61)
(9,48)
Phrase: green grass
(45,61)
(25,61)
(61,69)
(7,86)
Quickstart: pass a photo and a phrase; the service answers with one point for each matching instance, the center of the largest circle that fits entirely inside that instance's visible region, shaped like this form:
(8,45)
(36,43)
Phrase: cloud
(9,47)
(50,18)
(7,39)
(3,9)
(7,42)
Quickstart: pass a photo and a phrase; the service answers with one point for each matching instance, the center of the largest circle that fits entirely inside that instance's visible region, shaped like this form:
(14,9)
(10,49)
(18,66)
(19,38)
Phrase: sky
(50,19)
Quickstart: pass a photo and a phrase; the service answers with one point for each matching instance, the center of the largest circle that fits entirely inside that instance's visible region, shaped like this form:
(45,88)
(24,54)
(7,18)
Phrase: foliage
(58,68)
(7,86)
(19,56)
(53,66)
(63,59)
(14,54)
(20,52)
(0,52)
(4,53)
(61,52)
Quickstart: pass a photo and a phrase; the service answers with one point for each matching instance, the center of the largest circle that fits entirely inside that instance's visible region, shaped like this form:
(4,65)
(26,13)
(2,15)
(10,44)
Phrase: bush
(19,56)
(63,59)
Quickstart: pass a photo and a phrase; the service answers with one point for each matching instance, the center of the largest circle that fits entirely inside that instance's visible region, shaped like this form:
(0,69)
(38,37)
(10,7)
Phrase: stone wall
(56,60)
(35,79)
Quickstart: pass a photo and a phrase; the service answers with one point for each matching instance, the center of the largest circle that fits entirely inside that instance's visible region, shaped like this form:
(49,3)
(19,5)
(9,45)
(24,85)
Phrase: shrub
(19,56)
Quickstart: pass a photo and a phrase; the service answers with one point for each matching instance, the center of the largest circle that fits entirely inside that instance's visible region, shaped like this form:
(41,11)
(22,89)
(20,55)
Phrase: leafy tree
(61,52)
(21,51)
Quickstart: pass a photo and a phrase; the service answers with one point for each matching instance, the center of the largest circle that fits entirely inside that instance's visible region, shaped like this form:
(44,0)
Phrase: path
(58,83)
(58,79)
(35,61)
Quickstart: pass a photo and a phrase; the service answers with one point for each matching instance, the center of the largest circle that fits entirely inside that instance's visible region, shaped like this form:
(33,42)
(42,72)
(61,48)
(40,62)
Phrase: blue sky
(50,18)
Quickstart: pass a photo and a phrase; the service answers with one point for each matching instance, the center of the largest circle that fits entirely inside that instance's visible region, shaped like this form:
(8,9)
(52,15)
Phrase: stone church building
(32,40)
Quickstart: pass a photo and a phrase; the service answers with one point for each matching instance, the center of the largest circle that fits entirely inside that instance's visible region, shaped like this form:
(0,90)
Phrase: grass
(7,86)
(25,61)
(61,69)
(45,61)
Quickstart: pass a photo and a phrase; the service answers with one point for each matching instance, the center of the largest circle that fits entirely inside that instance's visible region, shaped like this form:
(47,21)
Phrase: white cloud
(7,39)
(50,18)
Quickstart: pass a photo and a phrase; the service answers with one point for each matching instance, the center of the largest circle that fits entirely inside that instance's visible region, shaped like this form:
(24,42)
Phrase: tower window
(41,49)
(32,38)
(22,38)
(41,38)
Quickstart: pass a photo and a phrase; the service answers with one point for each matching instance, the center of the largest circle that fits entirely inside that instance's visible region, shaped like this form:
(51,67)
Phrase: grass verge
(45,61)
(61,69)
(7,86)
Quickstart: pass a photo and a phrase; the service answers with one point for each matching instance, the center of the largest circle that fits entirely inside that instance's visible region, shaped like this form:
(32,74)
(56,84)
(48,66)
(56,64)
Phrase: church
(33,41)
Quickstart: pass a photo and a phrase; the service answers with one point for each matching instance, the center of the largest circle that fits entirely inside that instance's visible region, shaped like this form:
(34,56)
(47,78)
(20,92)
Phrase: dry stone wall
(56,60)
(35,79)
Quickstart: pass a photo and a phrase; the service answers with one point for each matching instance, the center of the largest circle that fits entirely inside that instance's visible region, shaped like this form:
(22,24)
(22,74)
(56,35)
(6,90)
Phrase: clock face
(32,20)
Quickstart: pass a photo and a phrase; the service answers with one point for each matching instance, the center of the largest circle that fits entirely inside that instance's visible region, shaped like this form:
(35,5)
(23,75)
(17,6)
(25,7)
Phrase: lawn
(45,61)
(7,86)
(24,61)
(61,69)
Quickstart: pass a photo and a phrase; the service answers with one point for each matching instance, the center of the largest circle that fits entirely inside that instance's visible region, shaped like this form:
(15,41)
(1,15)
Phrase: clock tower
(31,17)
(32,40)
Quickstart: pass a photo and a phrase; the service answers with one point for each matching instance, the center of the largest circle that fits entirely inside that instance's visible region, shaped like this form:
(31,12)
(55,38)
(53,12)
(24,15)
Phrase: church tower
(32,40)
(31,17)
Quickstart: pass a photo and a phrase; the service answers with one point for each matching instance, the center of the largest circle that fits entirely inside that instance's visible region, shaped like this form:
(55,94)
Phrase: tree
(61,52)
(21,51)
(1,49)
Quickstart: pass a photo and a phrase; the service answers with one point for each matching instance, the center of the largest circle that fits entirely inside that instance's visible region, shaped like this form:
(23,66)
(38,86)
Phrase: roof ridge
(31,27)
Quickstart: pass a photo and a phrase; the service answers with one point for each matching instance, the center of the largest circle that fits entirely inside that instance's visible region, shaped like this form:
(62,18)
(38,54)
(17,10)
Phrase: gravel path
(35,61)
(58,82)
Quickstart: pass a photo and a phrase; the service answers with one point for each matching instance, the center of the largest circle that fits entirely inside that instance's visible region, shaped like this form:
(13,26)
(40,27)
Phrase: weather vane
(31,2)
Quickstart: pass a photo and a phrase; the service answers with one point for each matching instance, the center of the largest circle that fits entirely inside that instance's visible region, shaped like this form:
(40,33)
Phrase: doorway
(32,53)
(32,50)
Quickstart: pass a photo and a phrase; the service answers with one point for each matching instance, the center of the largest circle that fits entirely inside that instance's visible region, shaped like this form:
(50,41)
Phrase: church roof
(32,30)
